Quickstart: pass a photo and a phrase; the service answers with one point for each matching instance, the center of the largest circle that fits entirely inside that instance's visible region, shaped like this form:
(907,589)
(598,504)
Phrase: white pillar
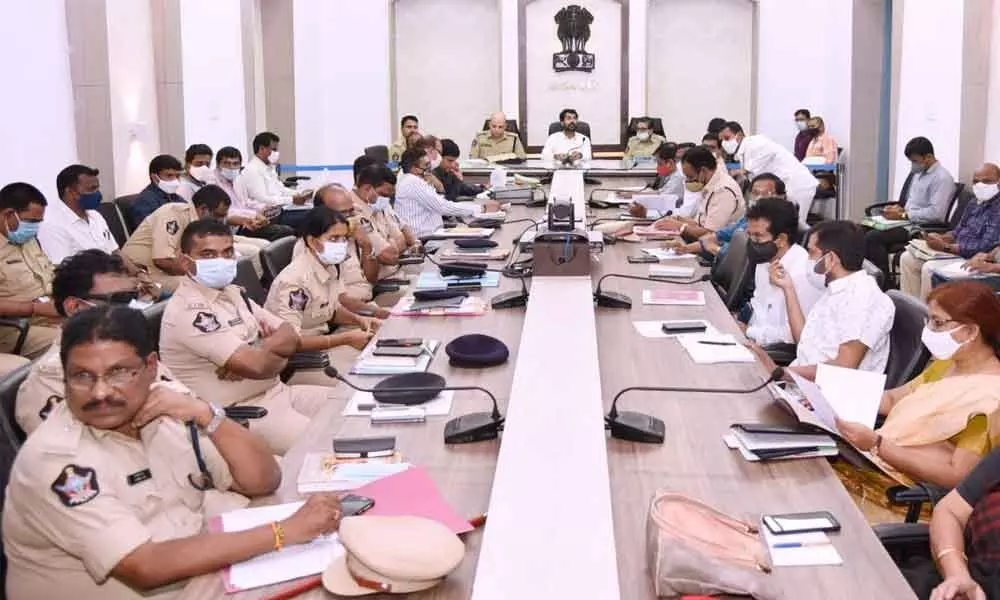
(637,51)
(509,59)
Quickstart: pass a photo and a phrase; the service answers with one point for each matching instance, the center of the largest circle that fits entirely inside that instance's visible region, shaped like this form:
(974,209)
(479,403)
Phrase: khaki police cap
(392,555)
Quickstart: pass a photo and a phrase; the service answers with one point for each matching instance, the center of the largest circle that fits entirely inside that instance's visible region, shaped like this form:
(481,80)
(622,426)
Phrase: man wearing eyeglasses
(102,500)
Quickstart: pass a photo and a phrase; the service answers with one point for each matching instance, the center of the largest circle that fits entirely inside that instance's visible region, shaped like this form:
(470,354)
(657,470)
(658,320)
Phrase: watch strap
(218,416)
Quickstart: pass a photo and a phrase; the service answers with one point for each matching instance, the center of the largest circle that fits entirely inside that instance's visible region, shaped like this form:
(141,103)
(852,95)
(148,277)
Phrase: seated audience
(567,146)
(941,423)
(721,203)
(926,202)
(715,126)
(849,325)
(164,181)
(822,145)
(669,183)
(72,222)
(713,143)
(408,126)
(431,145)
(197,170)
(259,184)
(450,175)
(106,499)
(682,149)
(419,206)
(644,142)
(497,142)
(223,346)
(254,219)
(307,292)
(803,137)
(155,244)
(25,271)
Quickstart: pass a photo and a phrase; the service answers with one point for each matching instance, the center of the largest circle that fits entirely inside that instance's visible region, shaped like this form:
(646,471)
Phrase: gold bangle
(947,551)
(279,536)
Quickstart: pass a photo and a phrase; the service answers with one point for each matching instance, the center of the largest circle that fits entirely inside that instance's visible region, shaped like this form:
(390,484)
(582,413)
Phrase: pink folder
(412,493)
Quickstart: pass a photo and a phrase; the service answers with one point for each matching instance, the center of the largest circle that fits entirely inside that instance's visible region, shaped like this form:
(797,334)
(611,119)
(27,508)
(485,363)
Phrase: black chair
(874,271)
(116,222)
(275,257)
(731,274)
(22,324)
(12,437)
(124,204)
(581,126)
(154,318)
(907,354)
(246,278)
(379,153)
(511,126)
(657,126)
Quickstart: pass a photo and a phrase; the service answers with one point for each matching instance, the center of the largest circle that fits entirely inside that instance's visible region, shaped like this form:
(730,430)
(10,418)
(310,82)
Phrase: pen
(714,343)
(297,590)
(800,544)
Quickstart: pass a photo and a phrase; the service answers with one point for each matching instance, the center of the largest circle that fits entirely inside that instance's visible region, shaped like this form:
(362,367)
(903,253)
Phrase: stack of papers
(463,232)
(921,250)
(363,404)
(881,223)
(470,306)
(614,198)
(671,271)
(665,253)
(367,364)
(956,270)
(850,394)
(324,472)
(656,202)
(706,349)
(475,254)
(433,280)
(650,232)
(674,297)
(757,446)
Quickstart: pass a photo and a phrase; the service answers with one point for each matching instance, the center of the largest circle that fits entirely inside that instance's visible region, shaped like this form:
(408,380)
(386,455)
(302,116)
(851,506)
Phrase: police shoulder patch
(297,299)
(172,227)
(206,322)
(49,405)
(76,485)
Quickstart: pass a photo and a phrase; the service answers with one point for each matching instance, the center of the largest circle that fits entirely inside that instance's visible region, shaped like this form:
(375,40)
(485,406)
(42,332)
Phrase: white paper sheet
(660,204)
(671,271)
(853,394)
(709,354)
(654,329)
(665,253)
(815,554)
(438,406)
(821,409)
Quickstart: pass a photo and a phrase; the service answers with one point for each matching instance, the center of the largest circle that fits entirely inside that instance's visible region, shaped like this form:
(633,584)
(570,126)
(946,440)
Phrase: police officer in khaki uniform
(155,243)
(644,142)
(307,293)
(107,500)
(497,141)
(389,237)
(408,126)
(227,348)
(25,271)
(361,269)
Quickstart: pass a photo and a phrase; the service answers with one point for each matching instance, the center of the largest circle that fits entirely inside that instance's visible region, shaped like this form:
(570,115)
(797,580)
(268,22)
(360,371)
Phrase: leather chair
(275,257)
(154,318)
(124,204)
(22,324)
(11,438)
(907,354)
(731,274)
(246,278)
(116,222)
(657,126)
(581,126)
(511,126)
(379,153)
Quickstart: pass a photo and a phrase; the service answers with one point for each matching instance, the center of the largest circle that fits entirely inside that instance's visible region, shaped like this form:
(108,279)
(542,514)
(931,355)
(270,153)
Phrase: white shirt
(769,323)
(760,154)
(558,143)
(853,308)
(63,233)
(189,186)
(259,183)
(238,206)
(421,207)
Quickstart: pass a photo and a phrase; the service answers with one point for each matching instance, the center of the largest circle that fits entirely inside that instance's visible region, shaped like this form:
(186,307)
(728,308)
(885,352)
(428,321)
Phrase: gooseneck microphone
(639,427)
(501,300)
(618,300)
(474,427)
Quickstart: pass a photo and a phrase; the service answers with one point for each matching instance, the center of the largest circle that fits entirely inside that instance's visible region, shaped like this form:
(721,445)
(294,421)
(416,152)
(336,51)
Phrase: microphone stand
(499,301)
(607,299)
(474,427)
(639,427)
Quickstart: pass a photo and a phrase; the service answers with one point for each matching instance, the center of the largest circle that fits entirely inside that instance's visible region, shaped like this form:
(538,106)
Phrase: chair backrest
(246,277)
(657,126)
(124,204)
(154,317)
(274,257)
(731,273)
(11,438)
(511,126)
(581,126)
(874,271)
(959,202)
(116,224)
(907,354)
(380,153)
(905,191)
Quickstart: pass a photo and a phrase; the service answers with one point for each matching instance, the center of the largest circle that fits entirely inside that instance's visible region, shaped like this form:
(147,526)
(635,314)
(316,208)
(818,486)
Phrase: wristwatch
(218,416)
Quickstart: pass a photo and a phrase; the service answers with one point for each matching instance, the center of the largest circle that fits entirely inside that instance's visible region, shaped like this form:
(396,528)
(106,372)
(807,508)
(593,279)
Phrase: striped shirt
(422,209)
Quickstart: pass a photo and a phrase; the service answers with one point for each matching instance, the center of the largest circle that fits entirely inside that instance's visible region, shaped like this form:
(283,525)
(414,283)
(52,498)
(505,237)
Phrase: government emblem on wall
(573,31)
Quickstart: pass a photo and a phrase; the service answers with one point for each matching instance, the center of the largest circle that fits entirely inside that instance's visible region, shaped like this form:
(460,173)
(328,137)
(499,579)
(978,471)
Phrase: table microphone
(501,300)
(475,427)
(607,299)
(639,427)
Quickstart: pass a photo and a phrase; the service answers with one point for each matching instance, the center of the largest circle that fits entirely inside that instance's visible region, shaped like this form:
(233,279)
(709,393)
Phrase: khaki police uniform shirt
(637,147)
(25,271)
(721,202)
(383,230)
(397,149)
(159,236)
(352,277)
(305,294)
(81,499)
(484,146)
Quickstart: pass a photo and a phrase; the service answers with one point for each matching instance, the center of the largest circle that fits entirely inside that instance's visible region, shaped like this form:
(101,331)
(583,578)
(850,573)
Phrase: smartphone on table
(801,522)
(675,327)
(643,259)
(354,505)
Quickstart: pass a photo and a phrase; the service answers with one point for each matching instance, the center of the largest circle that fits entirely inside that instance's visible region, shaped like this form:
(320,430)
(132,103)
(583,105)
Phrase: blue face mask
(25,232)
(90,201)
(215,273)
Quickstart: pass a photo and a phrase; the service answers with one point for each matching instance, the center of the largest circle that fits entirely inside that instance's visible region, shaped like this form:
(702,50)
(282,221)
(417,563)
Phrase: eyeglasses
(938,324)
(117,378)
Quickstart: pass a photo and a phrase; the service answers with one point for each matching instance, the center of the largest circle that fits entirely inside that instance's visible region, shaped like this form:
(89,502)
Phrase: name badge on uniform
(235,321)
(14,261)
(139,476)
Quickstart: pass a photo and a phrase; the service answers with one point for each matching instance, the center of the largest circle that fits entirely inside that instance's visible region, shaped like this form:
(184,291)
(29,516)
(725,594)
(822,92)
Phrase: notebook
(324,472)
(817,549)
(392,365)
(881,223)
(674,297)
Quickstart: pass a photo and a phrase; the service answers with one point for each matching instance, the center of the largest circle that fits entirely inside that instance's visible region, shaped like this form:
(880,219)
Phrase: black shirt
(455,187)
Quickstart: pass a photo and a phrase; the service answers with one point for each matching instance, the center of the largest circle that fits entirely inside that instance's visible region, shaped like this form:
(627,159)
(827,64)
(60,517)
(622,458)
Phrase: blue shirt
(150,199)
(725,235)
(979,229)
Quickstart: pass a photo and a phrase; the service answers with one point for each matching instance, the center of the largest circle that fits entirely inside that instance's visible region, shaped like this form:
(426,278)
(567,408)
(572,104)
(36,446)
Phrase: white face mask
(643,135)
(139,304)
(215,273)
(818,280)
(229,174)
(169,187)
(941,343)
(202,173)
(273,157)
(730,145)
(435,162)
(985,191)
(333,253)
(801,125)
(381,203)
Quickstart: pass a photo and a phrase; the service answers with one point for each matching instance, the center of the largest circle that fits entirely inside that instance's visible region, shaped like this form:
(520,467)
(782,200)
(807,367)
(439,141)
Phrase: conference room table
(693,460)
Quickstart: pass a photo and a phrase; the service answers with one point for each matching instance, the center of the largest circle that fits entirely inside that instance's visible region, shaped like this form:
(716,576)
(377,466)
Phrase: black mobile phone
(412,351)
(643,259)
(673,327)
(801,522)
(246,412)
(355,505)
(398,342)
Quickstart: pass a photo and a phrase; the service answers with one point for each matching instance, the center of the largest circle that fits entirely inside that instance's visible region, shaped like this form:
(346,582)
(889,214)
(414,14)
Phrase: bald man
(978,231)
(497,143)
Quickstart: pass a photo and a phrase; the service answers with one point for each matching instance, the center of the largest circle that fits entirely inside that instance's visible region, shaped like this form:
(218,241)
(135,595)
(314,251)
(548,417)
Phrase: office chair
(657,126)
(116,223)
(22,324)
(379,153)
(275,257)
(907,354)
(124,204)
(511,127)
(246,278)
(731,274)
(581,127)
(876,273)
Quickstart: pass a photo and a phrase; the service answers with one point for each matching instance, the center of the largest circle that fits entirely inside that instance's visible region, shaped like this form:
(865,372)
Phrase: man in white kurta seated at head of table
(568,145)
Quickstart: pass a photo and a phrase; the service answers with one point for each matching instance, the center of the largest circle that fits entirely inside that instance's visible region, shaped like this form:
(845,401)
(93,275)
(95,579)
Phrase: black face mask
(762,252)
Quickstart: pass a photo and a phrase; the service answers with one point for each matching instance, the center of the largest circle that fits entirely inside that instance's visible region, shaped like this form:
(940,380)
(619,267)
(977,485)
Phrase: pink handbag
(695,549)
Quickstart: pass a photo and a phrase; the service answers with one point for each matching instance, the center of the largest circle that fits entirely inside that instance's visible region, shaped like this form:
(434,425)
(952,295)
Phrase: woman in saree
(940,424)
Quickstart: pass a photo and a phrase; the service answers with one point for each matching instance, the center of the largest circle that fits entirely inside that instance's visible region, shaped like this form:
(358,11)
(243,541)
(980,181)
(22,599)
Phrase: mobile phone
(398,342)
(801,522)
(246,412)
(355,505)
(673,327)
(411,351)
(643,259)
